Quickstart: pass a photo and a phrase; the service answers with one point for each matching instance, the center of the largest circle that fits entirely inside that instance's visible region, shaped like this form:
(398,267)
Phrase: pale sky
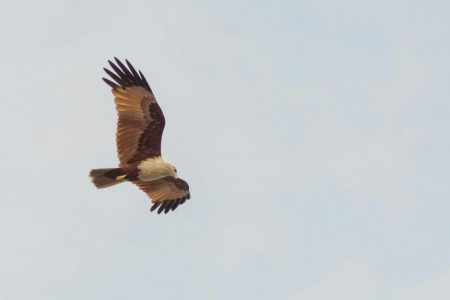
(314,136)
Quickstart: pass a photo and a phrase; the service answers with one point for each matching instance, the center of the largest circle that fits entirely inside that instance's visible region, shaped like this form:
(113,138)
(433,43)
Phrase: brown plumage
(138,138)
(167,187)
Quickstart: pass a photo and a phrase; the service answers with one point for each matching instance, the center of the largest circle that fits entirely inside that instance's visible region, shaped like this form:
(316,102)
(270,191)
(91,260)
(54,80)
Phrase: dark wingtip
(110,83)
(136,77)
(161,208)
(168,206)
(144,80)
(155,206)
(175,204)
(126,76)
(130,66)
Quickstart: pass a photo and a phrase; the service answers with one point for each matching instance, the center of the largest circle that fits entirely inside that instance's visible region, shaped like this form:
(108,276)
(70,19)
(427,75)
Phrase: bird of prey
(138,138)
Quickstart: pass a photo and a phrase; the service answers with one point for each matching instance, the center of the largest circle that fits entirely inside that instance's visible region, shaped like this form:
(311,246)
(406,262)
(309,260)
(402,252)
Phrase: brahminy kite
(138,139)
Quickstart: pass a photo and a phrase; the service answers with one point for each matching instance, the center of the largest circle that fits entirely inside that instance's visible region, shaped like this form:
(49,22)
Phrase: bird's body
(138,137)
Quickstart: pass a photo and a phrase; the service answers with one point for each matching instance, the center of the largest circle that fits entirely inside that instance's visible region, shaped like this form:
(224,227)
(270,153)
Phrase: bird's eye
(175,169)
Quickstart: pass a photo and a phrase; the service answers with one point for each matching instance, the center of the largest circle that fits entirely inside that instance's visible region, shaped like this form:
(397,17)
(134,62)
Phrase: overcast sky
(314,136)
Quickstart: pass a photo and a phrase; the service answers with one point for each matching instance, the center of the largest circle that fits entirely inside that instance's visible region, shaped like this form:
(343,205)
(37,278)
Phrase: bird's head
(172,170)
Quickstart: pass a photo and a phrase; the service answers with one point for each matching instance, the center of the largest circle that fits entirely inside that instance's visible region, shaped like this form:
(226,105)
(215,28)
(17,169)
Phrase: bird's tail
(103,178)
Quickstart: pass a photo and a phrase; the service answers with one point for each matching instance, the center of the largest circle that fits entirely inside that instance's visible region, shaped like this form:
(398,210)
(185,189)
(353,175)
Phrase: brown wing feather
(141,121)
(166,193)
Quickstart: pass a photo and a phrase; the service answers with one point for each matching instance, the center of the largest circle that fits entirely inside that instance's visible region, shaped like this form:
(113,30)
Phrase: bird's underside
(139,131)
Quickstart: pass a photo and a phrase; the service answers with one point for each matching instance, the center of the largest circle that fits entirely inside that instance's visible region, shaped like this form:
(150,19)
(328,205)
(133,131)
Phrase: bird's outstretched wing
(166,193)
(141,121)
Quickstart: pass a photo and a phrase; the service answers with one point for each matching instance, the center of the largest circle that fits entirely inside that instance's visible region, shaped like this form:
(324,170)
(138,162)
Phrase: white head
(156,168)
(172,170)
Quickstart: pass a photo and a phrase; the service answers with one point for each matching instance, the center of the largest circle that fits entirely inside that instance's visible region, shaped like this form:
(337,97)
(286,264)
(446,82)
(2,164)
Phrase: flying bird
(138,139)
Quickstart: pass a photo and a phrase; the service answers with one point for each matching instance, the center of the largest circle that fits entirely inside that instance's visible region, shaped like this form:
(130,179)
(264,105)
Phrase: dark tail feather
(103,178)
